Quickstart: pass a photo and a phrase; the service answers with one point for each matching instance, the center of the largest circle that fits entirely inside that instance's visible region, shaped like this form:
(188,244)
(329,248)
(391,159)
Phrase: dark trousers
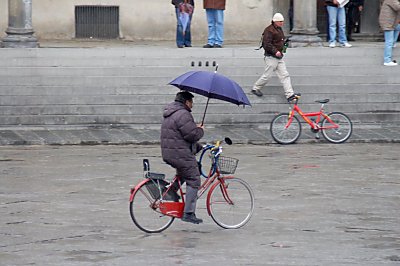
(352,17)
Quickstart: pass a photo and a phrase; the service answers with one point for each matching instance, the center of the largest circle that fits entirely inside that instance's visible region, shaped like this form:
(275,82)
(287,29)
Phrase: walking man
(273,43)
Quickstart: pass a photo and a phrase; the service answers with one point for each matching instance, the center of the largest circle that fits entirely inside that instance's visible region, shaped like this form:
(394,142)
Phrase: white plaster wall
(3,17)
(146,19)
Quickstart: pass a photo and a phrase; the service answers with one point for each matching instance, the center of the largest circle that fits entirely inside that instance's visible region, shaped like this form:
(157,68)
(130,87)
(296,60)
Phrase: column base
(19,41)
(305,40)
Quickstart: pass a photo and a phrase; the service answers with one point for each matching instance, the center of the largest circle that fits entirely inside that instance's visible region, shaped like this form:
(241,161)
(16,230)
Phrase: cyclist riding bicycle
(179,145)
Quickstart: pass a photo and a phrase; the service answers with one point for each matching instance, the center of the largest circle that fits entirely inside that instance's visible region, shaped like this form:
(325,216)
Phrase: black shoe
(294,97)
(188,45)
(191,218)
(217,46)
(257,92)
(208,46)
(180,46)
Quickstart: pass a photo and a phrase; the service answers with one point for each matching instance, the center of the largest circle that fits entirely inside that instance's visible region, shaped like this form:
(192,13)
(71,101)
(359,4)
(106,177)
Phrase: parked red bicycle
(230,201)
(336,127)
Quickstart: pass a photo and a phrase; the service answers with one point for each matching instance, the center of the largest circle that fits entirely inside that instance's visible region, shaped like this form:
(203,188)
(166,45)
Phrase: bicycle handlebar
(216,148)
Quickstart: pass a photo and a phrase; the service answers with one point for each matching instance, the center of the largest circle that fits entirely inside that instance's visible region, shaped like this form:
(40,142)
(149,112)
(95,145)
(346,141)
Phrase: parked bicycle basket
(227,165)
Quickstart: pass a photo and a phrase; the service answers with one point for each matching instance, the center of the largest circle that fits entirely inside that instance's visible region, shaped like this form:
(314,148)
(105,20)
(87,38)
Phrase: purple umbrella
(211,85)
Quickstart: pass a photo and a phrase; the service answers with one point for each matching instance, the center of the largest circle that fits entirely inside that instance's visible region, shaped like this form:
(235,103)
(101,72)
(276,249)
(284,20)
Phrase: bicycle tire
(284,135)
(146,218)
(205,164)
(337,135)
(226,215)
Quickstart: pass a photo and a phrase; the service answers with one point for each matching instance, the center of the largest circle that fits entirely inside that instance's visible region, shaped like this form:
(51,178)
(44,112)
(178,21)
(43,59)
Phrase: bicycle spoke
(146,214)
(233,206)
(282,132)
(337,127)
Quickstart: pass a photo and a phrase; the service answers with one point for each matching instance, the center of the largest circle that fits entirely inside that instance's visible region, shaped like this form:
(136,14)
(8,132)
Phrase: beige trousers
(278,66)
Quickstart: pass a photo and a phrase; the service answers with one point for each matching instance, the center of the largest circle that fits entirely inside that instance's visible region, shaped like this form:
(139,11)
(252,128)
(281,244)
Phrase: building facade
(155,20)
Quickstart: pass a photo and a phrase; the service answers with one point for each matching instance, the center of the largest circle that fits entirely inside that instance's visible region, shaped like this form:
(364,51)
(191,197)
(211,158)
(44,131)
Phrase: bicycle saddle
(322,101)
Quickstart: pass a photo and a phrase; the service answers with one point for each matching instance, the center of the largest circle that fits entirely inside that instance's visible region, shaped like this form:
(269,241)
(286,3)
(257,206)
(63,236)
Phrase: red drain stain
(305,166)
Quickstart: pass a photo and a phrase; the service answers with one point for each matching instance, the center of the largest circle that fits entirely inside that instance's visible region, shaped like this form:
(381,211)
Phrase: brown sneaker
(257,92)
(294,98)
(208,46)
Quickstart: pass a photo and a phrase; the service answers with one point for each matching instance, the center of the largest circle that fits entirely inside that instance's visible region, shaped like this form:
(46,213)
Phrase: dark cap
(183,96)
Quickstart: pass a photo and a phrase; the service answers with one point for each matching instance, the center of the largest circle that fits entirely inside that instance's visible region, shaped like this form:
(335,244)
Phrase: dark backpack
(261,43)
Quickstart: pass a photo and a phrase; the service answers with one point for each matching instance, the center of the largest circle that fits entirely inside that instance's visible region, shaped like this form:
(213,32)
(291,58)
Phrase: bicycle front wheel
(145,212)
(231,203)
(206,164)
(282,134)
(340,132)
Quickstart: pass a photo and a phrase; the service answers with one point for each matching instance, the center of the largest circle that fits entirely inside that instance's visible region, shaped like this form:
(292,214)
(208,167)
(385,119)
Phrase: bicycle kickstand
(317,135)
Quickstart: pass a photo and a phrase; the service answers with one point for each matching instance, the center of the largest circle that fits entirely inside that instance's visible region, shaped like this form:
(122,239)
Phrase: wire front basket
(227,165)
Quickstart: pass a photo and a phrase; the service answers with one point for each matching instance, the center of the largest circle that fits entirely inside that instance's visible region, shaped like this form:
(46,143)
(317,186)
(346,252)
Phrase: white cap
(278,17)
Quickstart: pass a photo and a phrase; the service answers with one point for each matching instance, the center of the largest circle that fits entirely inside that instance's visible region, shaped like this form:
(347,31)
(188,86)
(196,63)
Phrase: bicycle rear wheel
(339,134)
(145,212)
(284,135)
(231,203)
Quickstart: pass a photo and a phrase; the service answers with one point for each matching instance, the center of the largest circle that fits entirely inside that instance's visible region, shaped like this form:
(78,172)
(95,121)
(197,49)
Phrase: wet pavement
(316,204)
(362,133)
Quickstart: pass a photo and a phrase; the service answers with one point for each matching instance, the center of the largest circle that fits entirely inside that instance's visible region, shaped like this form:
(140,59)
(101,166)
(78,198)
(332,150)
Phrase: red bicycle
(230,200)
(336,127)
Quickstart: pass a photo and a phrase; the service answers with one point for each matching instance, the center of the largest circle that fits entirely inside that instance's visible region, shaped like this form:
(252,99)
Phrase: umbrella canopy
(211,85)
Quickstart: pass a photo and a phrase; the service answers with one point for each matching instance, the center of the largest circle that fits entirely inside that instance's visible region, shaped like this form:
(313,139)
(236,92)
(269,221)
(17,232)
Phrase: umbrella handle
(204,115)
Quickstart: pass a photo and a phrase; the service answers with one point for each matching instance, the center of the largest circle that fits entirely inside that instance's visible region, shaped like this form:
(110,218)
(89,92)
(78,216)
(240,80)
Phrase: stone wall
(146,20)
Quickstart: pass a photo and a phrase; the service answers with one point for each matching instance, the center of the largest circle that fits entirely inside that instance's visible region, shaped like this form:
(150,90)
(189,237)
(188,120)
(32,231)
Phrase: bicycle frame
(315,124)
(155,198)
(210,181)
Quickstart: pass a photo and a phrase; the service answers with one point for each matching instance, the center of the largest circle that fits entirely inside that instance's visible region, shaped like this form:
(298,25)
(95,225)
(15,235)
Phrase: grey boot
(190,206)
(190,200)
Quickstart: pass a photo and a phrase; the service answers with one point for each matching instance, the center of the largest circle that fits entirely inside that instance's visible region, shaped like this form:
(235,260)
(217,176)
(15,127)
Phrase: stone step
(110,81)
(144,99)
(136,56)
(173,71)
(128,86)
(187,62)
(156,110)
(361,49)
(328,89)
(143,120)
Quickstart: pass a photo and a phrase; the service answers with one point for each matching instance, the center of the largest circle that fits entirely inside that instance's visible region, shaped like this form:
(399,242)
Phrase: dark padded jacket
(273,40)
(330,3)
(214,4)
(179,137)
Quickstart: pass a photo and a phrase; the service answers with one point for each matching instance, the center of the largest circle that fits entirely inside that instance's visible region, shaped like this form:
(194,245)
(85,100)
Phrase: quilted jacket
(179,139)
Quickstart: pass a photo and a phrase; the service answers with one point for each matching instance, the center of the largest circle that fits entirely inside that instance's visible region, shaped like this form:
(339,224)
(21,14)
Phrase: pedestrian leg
(270,65)
(284,77)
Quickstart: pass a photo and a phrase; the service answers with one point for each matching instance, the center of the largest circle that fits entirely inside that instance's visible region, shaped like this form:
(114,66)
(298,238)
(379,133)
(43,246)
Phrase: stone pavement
(315,204)
(150,135)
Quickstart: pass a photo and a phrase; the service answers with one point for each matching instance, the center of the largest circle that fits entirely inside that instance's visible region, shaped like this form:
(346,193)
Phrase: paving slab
(315,204)
(141,135)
